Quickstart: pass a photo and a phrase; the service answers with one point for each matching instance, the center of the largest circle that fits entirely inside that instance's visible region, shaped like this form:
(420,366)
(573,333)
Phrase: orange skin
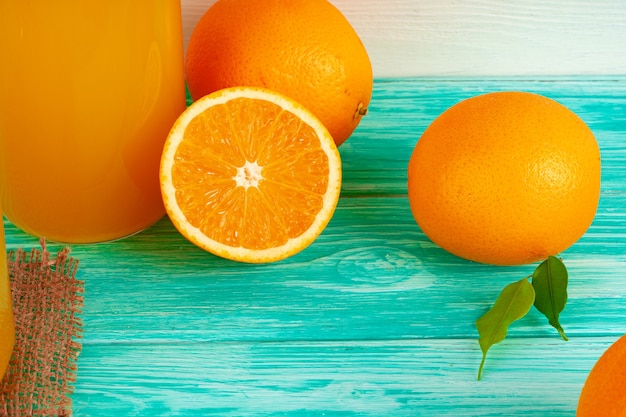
(505,178)
(304,49)
(604,392)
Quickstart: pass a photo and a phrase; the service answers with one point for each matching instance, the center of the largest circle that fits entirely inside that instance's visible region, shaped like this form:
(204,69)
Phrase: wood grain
(487,37)
(372,319)
(376,378)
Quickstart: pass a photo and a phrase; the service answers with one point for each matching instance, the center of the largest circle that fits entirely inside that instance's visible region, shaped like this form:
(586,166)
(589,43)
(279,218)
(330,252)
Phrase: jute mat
(47,300)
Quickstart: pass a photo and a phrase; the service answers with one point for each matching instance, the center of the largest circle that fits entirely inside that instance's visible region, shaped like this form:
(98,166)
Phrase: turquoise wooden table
(372,319)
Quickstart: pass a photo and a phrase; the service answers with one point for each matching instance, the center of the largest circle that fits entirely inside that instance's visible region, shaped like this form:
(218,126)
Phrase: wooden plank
(371,275)
(372,319)
(365,378)
(375,158)
(408,38)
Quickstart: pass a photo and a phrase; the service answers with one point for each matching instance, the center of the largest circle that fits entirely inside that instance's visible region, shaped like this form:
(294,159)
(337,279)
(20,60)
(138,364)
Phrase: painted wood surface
(481,37)
(372,319)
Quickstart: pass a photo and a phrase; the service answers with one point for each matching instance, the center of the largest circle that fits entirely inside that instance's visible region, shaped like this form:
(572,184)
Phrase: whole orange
(505,178)
(604,392)
(304,49)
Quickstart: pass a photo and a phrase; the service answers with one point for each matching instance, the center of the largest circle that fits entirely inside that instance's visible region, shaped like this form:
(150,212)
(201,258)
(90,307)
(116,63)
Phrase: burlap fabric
(47,300)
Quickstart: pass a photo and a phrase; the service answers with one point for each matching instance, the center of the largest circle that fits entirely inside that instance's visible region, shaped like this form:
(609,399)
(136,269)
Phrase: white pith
(249,175)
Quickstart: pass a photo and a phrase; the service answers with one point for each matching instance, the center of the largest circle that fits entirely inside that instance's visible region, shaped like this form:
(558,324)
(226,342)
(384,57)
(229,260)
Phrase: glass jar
(7,328)
(88,93)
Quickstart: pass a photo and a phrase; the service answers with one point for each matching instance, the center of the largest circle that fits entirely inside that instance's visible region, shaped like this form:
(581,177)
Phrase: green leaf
(512,304)
(550,284)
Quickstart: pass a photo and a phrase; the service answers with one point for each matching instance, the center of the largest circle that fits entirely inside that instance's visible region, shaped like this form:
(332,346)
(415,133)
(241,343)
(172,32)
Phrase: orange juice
(88,93)
(7,332)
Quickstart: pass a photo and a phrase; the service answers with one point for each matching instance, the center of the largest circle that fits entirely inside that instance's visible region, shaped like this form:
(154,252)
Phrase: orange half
(250,175)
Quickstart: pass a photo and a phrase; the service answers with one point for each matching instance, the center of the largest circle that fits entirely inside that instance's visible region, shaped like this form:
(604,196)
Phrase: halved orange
(250,175)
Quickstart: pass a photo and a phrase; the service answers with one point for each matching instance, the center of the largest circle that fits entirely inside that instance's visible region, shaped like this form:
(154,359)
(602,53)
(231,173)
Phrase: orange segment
(250,175)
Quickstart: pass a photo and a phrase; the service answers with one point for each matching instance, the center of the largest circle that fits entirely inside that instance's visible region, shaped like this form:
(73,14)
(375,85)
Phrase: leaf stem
(562,333)
(482,364)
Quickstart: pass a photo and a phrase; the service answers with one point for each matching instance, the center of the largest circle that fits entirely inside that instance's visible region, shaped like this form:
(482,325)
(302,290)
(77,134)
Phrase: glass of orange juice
(88,93)
(7,330)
